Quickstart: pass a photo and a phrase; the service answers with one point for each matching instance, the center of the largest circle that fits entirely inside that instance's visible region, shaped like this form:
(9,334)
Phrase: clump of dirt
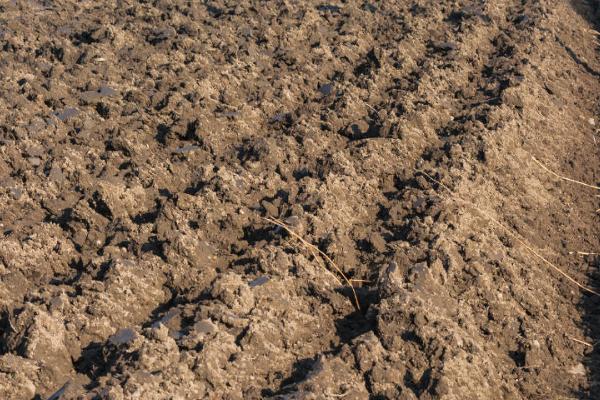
(145,144)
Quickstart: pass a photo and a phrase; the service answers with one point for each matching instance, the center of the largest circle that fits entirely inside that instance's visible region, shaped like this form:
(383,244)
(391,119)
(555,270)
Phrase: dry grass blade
(580,341)
(513,235)
(564,178)
(312,248)
(584,253)
(593,32)
(320,262)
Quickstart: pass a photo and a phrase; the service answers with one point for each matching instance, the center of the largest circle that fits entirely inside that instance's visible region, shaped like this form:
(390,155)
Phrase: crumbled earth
(144,144)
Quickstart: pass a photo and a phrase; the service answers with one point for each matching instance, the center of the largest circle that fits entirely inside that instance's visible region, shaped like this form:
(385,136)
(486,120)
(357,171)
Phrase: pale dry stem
(312,248)
(564,178)
(515,236)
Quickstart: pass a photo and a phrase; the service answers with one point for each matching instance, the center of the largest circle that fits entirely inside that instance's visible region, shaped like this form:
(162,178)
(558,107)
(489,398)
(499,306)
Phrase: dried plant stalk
(513,235)
(314,249)
(564,178)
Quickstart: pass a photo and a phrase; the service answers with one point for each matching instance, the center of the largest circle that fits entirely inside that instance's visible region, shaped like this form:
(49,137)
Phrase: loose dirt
(146,146)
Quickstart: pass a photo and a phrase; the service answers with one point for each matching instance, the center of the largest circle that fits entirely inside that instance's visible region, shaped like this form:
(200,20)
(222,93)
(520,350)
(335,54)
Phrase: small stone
(91,96)
(592,121)
(123,336)
(107,91)
(186,149)
(259,281)
(67,113)
(326,89)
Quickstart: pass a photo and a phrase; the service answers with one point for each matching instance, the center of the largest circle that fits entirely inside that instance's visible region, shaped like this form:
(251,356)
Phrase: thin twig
(312,248)
(563,177)
(580,341)
(509,232)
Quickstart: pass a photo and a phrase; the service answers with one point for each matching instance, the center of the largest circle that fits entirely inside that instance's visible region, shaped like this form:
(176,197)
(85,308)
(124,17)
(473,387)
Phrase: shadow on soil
(590,9)
(590,305)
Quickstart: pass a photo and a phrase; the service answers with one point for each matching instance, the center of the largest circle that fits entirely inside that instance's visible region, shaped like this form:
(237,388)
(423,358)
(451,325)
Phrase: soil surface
(146,145)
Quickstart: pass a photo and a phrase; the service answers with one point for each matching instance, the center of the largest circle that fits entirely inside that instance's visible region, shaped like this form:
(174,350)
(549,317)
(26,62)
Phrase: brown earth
(143,142)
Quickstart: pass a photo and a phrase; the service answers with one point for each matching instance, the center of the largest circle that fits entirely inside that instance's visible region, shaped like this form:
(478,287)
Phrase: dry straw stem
(311,248)
(580,341)
(583,253)
(314,249)
(513,235)
(564,178)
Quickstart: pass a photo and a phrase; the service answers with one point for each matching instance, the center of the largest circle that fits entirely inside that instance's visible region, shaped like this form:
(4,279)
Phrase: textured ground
(143,142)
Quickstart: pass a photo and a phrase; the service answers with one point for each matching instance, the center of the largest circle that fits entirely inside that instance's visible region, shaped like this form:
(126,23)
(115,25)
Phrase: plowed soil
(146,146)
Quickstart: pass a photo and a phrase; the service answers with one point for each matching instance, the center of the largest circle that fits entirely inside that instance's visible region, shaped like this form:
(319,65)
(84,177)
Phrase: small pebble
(592,121)
(95,95)
(107,91)
(259,281)
(67,113)
(326,89)
(123,336)
(186,149)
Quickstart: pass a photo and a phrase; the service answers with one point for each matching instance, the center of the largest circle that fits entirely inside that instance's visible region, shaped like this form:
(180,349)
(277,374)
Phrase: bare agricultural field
(299,199)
